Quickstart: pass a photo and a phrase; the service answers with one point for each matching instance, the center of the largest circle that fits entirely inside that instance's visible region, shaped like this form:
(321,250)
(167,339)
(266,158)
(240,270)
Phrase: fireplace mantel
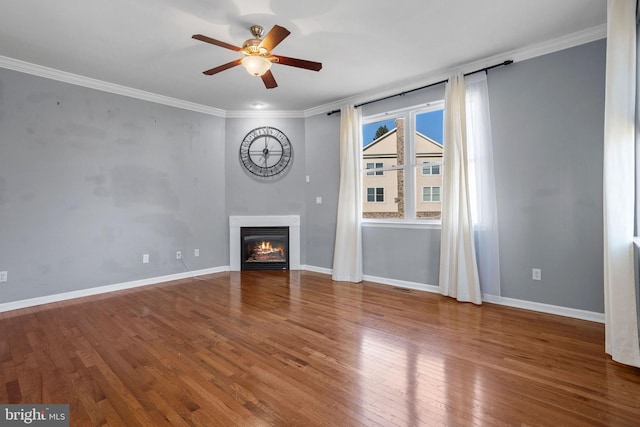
(236,222)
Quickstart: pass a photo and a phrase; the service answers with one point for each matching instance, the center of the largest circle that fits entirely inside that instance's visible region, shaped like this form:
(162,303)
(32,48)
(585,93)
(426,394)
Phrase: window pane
(429,152)
(435,194)
(371,195)
(369,166)
(377,165)
(429,124)
(426,194)
(384,197)
(383,142)
(428,200)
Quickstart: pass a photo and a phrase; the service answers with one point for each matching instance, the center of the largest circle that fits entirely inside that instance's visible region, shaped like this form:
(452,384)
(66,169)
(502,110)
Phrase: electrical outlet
(196,252)
(536,274)
(179,255)
(145,258)
(3,276)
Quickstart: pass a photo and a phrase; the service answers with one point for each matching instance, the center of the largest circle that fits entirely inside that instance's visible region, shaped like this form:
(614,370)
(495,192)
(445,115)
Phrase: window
(430,194)
(375,194)
(375,166)
(402,156)
(429,168)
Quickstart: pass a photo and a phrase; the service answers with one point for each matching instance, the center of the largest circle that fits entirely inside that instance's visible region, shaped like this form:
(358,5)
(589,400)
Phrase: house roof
(380,138)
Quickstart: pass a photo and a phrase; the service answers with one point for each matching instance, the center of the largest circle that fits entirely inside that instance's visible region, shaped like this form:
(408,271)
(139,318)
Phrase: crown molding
(532,51)
(561,43)
(550,46)
(75,79)
(264,114)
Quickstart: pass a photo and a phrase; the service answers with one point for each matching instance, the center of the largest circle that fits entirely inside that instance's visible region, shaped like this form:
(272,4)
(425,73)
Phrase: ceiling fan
(258,58)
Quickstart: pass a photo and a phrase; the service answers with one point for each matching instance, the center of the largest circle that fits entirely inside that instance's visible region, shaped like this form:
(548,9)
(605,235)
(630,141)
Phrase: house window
(430,194)
(375,194)
(378,166)
(403,151)
(429,168)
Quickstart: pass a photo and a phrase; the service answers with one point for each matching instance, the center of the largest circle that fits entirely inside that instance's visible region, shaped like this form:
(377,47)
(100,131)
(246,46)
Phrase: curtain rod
(485,69)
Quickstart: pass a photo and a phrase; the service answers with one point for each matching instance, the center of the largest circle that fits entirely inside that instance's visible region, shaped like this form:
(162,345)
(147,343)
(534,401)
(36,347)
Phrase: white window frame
(430,166)
(375,170)
(409,115)
(375,194)
(431,187)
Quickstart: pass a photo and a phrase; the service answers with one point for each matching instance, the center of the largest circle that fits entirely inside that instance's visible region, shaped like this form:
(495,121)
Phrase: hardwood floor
(296,349)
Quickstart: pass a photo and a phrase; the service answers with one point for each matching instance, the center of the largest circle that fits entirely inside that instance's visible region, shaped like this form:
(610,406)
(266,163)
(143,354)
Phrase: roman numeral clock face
(266,153)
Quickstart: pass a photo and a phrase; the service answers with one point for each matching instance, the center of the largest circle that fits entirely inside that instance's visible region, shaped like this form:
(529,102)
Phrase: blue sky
(429,124)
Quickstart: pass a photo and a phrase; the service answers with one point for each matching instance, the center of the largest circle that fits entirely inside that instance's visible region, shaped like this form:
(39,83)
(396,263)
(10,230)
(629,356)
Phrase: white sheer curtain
(482,184)
(621,310)
(347,255)
(458,269)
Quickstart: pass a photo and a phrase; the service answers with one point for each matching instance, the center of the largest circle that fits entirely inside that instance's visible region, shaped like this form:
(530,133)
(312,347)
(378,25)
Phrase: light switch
(318,200)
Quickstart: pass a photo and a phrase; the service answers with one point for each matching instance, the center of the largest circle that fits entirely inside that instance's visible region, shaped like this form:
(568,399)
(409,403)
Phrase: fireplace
(264,248)
(236,223)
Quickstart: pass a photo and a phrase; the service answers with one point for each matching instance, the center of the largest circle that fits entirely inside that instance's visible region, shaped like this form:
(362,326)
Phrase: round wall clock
(266,152)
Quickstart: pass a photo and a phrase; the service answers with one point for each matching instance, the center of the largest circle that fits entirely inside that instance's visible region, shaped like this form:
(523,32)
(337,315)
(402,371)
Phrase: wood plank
(295,348)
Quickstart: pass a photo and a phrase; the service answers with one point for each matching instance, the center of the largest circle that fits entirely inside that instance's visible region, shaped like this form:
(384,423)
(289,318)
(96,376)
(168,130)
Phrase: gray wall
(323,166)
(250,196)
(548,124)
(413,255)
(89,181)
(547,119)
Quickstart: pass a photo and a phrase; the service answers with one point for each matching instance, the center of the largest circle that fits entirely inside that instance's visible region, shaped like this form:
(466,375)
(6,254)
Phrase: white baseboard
(403,284)
(31,302)
(316,269)
(508,302)
(546,308)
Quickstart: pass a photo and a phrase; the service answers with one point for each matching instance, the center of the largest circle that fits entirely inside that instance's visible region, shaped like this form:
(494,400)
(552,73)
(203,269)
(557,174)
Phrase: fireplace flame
(265,251)
(265,248)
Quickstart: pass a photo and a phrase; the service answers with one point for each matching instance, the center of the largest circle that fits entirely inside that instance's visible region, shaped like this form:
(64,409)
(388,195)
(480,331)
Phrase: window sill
(391,223)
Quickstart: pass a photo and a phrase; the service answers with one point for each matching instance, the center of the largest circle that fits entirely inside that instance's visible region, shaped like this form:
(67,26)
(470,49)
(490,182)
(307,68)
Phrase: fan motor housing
(252,47)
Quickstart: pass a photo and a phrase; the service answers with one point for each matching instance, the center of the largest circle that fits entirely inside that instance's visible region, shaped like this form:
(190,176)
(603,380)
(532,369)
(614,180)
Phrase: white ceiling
(364,45)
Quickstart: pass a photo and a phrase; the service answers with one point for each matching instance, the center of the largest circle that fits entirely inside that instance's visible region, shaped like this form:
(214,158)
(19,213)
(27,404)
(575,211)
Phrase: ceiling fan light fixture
(258,57)
(256,65)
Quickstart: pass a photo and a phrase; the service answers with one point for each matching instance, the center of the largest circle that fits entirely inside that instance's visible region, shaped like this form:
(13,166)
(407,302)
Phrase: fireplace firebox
(264,248)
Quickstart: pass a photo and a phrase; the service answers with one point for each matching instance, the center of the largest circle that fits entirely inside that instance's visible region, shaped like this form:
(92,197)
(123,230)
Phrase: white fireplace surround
(236,222)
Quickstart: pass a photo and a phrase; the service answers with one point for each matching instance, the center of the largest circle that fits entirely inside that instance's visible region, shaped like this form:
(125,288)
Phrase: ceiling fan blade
(274,37)
(300,63)
(215,42)
(223,67)
(269,80)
